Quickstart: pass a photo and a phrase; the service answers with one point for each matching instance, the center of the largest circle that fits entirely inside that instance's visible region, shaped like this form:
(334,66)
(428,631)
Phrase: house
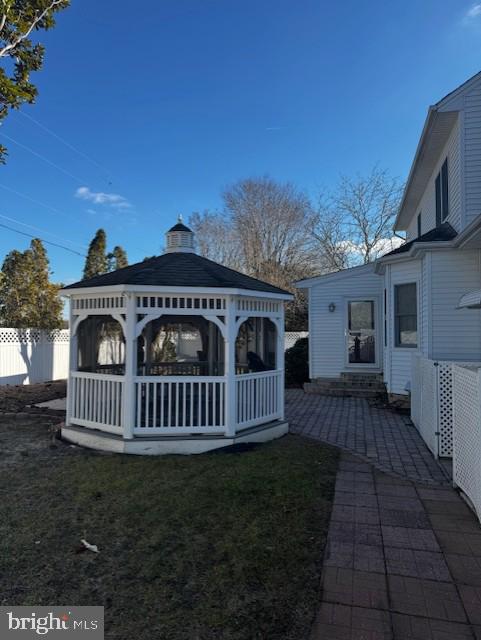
(423,298)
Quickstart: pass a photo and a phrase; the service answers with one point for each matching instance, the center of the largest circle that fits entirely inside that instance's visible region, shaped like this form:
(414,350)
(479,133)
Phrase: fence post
(436,408)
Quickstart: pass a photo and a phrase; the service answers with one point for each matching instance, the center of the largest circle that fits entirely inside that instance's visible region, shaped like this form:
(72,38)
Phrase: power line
(49,233)
(54,244)
(39,202)
(39,155)
(66,143)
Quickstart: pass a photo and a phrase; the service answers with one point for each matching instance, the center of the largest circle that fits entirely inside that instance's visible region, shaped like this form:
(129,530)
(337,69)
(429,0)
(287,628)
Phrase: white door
(361,333)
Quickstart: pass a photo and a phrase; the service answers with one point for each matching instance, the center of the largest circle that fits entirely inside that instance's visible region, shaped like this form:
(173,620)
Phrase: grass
(218,546)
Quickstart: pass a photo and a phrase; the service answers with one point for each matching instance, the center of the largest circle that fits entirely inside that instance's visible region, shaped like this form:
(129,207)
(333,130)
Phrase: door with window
(361,333)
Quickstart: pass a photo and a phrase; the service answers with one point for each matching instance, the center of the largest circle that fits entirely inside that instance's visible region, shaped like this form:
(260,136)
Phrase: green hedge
(297,363)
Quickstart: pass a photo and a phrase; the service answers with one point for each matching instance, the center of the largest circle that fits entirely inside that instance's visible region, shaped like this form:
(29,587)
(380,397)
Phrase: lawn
(225,545)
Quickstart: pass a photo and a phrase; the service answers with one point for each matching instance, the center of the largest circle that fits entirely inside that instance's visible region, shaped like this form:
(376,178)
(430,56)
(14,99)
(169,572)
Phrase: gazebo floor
(164,445)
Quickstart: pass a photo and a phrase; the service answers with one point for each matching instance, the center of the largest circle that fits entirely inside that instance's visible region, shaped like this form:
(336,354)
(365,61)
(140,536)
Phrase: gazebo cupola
(175,354)
(180,238)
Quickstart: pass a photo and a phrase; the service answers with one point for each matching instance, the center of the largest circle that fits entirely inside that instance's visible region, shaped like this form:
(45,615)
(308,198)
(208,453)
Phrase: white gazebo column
(229,373)
(128,404)
(280,358)
(73,358)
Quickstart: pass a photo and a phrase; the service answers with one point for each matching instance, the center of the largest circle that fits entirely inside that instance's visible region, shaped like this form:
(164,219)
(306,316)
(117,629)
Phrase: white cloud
(98,197)
(473,15)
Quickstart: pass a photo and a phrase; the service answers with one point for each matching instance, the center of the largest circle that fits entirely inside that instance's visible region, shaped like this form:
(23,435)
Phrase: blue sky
(172,103)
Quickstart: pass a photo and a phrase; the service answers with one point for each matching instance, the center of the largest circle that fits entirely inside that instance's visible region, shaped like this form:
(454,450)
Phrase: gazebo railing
(173,405)
(95,400)
(259,398)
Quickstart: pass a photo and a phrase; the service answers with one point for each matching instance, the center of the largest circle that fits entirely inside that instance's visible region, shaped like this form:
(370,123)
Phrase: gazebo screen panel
(180,345)
(101,345)
(256,346)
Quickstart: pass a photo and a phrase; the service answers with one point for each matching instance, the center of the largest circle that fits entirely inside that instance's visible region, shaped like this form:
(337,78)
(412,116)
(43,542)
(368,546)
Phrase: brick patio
(403,556)
(384,438)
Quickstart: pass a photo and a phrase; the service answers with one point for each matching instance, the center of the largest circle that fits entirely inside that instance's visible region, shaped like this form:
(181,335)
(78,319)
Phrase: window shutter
(445,194)
(438,200)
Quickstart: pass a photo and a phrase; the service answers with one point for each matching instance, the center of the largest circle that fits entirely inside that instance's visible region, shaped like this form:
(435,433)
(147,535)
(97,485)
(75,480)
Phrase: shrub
(297,363)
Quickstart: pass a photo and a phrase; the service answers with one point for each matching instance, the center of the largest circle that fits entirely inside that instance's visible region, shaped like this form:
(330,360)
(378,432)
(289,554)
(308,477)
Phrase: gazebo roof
(179,270)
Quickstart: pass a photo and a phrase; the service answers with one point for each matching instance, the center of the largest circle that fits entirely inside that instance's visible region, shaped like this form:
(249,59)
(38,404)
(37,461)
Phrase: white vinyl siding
(456,333)
(427,203)
(472,152)
(397,361)
(327,329)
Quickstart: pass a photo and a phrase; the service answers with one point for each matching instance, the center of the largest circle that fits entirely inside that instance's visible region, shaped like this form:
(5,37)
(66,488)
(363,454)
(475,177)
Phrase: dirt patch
(18,397)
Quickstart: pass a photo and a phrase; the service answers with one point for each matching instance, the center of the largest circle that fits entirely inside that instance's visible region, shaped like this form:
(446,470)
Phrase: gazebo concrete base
(164,445)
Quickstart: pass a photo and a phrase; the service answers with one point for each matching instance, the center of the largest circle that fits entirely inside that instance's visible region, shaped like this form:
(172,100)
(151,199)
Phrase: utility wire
(38,202)
(49,233)
(54,244)
(52,164)
(65,142)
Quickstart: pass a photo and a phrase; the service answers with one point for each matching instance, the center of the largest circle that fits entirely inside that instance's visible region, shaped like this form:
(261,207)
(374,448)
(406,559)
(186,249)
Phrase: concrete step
(344,392)
(368,377)
(354,384)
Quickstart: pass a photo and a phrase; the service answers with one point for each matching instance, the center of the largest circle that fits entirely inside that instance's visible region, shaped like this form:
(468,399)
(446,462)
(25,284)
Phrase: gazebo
(176,354)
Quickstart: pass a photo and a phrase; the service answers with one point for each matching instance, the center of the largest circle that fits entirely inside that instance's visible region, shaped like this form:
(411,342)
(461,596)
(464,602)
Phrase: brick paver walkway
(402,562)
(382,437)
(403,556)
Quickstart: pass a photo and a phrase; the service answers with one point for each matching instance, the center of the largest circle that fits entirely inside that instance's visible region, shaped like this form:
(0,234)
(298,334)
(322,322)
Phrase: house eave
(435,134)
(327,277)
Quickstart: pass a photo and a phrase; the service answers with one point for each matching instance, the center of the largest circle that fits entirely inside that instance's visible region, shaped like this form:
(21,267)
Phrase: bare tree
(271,222)
(216,238)
(263,231)
(356,224)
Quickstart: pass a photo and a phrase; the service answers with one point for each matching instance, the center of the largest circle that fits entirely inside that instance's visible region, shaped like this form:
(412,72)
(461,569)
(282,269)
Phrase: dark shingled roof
(180,227)
(443,233)
(178,270)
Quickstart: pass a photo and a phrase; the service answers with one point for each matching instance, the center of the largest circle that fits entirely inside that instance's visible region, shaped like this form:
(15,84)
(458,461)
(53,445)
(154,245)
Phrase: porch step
(352,385)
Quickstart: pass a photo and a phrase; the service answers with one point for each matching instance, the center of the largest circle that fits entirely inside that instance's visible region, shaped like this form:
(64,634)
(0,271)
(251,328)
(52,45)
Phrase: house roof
(443,233)
(178,270)
(334,275)
(438,125)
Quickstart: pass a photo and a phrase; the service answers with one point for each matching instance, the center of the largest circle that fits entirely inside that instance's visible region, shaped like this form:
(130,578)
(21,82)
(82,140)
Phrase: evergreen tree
(96,262)
(27,297)
(117,259)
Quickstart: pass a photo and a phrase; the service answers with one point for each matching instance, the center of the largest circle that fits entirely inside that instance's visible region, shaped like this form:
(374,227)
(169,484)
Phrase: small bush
(297,363)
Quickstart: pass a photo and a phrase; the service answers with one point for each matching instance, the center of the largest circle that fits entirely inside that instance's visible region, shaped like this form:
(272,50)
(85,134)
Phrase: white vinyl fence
(31,355)
(467,432)
(432,403)
(291,337)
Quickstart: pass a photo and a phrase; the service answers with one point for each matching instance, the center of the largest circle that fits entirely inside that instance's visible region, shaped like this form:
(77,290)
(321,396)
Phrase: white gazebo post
(230,385)
(73,356)
(280,358)
(128,404)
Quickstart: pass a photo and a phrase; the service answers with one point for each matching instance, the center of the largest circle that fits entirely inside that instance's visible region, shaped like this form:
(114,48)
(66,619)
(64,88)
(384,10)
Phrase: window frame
(397,344)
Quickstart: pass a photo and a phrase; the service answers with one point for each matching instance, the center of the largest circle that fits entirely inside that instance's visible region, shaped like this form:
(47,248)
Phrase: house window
(442,194)
(419,224)
(405,315)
